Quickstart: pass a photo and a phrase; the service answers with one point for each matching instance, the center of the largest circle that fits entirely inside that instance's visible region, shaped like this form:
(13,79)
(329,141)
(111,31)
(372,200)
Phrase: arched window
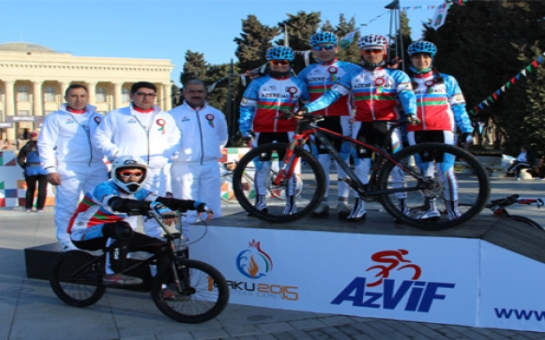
(125,98)
(101,95)
(50,94)
(22,94)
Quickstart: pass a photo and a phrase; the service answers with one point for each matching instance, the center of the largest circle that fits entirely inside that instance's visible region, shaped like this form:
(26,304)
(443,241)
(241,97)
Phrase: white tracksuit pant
(199,182)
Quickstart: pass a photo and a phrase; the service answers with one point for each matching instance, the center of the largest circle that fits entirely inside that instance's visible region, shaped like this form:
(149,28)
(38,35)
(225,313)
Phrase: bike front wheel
(439,186)
(294,203)
(75,279)
(202,293)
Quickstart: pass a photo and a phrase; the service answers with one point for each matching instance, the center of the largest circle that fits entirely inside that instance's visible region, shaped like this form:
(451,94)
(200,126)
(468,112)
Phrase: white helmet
(128,162)
(373,41)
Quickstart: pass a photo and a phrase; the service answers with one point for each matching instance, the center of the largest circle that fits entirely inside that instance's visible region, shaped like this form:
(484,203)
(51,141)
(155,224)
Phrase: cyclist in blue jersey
(320,78)
(260,109)
(101,217)
(441,109)
(377,90)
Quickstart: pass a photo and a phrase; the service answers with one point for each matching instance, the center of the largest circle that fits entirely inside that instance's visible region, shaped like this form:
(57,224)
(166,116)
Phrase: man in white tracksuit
(142,130)
(71,161)
(196,170)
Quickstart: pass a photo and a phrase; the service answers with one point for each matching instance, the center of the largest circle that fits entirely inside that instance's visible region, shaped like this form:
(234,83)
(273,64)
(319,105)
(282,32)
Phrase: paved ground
(30,310)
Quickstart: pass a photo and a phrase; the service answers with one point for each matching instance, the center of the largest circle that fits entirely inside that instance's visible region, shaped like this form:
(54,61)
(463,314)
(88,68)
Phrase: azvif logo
(393,283)
(253,262)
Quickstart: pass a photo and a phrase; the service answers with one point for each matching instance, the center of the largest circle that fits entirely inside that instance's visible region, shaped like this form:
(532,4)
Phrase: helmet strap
(276,74)
(373,67)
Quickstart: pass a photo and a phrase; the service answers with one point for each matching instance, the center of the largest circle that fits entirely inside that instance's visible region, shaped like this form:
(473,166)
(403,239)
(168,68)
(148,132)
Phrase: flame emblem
(253,262)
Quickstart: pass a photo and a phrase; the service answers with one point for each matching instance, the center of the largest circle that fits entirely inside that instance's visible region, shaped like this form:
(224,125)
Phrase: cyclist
(259,110)
(99,220)
(320,78)
(441,108)
(376,90)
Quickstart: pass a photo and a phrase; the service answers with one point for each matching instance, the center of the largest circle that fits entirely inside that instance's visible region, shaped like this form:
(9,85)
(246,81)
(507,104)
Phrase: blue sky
(167,29)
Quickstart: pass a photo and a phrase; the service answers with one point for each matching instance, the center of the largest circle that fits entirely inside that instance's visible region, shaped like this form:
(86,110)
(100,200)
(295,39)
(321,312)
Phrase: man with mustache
(195,170)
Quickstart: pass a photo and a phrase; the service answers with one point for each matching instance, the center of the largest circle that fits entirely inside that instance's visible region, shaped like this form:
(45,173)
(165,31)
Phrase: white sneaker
(518,179)
(358,212)
(291,208)
(321,211)
(430,215)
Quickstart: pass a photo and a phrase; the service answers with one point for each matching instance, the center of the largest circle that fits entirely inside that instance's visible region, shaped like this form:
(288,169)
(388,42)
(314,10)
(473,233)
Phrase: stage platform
(485,273)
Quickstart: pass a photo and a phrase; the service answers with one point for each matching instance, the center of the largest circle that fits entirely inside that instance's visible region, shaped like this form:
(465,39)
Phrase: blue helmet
(422,47)
(323,38)
(279,53)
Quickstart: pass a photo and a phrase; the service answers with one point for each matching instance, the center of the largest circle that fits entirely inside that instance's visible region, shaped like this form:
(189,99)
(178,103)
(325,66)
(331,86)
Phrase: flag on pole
(440,16)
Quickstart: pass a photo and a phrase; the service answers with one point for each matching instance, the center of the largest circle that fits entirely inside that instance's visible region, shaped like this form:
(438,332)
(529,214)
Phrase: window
(125,98)
(23,113)
(101,95)
(50,94)
(22,94)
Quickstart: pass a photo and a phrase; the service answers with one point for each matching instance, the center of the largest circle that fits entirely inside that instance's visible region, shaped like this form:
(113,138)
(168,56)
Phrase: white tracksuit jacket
(151,137)
(195,169)
(66,147)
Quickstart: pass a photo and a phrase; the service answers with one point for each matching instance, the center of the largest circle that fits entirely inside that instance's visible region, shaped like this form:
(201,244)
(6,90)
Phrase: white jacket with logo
(66,138)
(204,133)
(152,137)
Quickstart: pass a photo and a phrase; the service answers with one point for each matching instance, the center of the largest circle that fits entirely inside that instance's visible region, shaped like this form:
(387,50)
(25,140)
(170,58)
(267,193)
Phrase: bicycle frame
(310,129)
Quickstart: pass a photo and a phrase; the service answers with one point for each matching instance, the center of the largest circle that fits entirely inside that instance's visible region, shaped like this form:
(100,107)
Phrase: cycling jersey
(440,106)
(264,98)
(375,92)
(321,77)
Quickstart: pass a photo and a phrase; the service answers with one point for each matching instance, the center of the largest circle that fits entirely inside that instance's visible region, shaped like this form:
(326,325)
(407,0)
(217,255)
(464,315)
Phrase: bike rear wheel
(227,193)
(526,221)
(75,280)
(272,208)
(204,294)
(456,191)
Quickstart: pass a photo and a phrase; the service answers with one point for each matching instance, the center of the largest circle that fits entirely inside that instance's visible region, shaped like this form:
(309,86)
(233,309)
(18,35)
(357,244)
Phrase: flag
(440,16)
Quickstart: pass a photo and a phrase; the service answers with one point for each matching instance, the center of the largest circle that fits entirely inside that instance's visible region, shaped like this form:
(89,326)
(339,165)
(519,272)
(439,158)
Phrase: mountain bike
(498,208)
(228,195)
(392,177)
(200,291)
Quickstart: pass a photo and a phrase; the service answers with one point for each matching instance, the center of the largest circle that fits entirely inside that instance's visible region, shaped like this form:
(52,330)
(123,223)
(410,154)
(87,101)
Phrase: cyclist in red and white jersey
(320,77)
(441,108)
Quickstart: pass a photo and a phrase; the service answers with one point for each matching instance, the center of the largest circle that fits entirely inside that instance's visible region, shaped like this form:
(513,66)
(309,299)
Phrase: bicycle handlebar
(510,200)
(311,118)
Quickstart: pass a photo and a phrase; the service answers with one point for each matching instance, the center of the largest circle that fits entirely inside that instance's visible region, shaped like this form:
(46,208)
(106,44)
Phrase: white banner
(511,290)
(414,278)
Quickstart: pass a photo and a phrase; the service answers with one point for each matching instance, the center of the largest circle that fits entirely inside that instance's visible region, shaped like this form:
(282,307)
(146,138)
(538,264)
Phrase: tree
(195,67)
(483,44)
(352,53)
(300,28)
(254,42)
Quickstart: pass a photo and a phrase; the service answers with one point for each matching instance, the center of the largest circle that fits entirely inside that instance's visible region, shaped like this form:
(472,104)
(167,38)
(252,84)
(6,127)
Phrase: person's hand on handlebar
(201,208)
(413,119)
(168,216)
(299,114)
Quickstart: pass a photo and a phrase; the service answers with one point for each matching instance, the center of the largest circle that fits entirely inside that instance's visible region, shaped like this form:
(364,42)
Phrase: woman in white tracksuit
(195,170)
(145,132)
(72,163)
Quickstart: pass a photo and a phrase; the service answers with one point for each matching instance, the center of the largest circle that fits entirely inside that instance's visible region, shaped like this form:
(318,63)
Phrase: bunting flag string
(494,97)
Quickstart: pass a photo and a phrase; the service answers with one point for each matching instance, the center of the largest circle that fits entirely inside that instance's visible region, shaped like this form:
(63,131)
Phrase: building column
(10,108)
(167,97)
(38,97)
(92,88)
(64,86)
(117,95)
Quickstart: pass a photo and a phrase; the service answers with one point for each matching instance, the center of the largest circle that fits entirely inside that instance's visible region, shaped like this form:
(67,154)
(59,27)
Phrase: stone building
(33,80)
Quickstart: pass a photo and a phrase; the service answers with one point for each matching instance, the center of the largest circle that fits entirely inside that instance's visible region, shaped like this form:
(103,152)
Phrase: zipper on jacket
(200,132)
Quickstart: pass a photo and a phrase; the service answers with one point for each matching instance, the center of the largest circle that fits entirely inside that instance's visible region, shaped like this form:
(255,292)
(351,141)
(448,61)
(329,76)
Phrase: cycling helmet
(323,38)
(422,47)
(279,53)
(128,162)
(373,41)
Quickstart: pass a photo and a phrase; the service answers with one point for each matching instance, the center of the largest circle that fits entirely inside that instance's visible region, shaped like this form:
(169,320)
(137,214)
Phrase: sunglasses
(128,173)
(372,51)
(327,47)
(280,62)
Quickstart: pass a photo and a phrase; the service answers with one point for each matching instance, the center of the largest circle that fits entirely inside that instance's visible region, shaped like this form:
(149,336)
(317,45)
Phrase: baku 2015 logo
(253,262)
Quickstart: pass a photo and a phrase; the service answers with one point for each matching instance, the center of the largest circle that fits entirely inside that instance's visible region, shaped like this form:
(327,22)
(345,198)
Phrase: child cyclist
(101,220)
